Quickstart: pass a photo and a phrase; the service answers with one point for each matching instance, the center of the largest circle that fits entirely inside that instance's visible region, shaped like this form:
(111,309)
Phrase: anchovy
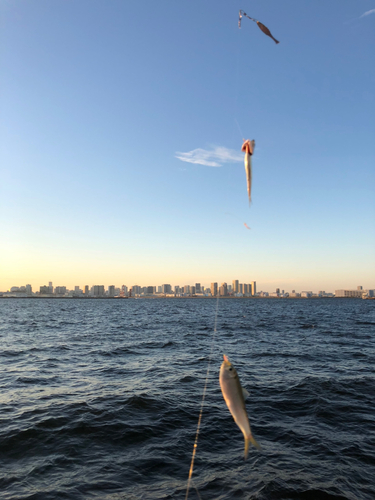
(234,396)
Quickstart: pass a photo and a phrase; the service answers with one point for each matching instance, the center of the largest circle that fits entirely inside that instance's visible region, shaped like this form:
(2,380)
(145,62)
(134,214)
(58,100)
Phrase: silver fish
(248,149)
(234,396)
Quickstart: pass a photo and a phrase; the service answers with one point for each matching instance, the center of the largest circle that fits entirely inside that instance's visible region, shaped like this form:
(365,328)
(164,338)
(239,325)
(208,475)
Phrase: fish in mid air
(234,396)
(261,26)
(248,148)
(266,31)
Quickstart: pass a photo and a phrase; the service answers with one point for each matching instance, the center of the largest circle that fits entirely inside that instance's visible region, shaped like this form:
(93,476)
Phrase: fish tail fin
(251,440)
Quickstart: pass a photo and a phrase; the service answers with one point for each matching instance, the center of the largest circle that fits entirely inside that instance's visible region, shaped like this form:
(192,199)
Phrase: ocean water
(100,399)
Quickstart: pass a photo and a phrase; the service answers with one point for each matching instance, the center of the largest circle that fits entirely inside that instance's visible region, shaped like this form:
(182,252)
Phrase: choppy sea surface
(100,399)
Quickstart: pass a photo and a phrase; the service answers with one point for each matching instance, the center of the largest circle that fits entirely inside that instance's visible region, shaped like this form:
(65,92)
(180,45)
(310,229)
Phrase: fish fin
(251,440)
(245,393)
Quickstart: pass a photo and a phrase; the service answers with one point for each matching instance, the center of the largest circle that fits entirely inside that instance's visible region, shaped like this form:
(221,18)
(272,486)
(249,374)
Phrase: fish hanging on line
(261,26)
(234,396)
(248,148)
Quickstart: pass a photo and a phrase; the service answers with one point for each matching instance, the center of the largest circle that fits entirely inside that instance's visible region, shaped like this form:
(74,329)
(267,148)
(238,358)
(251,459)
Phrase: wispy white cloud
(372,11)
(215,157)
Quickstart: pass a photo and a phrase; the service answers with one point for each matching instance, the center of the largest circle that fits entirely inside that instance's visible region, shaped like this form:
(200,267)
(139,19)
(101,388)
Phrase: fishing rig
(251,145)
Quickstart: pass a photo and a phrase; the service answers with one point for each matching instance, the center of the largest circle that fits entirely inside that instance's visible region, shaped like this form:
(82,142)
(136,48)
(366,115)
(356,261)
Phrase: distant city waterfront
(235,290)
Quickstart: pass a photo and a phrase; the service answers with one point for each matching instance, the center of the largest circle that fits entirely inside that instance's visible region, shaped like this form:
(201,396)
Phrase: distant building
(240,286)
(60,290)
(86,289)
(253,288)
(192,290)
(235,286)
(111,291)
(306,295)
(349,293)
(214,289)
(166,288)
(44,289)
(197,287)
(50,287)
(98,291)
(223,290)
(150,290)
(29,289)
(136,290)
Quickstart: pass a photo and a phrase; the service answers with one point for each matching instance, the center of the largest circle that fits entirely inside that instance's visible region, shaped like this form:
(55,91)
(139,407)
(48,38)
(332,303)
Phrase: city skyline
(122,144)
(214,289)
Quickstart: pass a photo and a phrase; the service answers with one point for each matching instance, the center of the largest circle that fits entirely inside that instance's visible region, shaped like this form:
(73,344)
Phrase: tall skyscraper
(197,287)
(253,288)
(29,290)
(50,287)
(87,290)
(235,286)
(223,289)
(111,291)
(214,289)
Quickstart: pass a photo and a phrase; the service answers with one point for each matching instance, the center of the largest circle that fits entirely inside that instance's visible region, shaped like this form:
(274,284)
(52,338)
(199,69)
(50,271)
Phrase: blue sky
(100,98)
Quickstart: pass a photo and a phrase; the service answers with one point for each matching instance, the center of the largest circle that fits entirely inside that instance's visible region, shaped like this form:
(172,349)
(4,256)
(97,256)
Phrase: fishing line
(202,402)
(239,129)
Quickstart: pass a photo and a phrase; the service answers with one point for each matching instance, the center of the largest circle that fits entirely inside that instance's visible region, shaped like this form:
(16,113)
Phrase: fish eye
(230,369)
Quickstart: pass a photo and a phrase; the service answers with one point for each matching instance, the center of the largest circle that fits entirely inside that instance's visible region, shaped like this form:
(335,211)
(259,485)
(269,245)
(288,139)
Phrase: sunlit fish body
(234,396)
(248,149)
